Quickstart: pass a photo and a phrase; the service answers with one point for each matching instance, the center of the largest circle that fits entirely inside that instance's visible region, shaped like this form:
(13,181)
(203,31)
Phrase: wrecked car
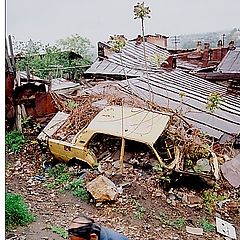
(141,129)
(150,138)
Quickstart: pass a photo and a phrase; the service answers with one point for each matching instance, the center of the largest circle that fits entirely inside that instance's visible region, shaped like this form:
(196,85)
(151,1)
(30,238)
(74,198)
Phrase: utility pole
(223,38)
(175,41)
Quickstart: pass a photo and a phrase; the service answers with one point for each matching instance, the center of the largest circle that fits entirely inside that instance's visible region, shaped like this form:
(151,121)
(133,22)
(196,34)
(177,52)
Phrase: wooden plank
(18,118)
(11,51)
(7,57)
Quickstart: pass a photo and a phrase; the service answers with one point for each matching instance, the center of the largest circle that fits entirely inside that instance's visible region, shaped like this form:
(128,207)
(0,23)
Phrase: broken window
(135,153)
(165,148)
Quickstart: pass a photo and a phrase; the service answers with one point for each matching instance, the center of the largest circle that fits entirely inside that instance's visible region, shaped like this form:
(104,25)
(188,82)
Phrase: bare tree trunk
(145,62)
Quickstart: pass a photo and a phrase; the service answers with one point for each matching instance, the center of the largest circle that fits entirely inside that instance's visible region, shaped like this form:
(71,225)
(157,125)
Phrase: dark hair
(87,227)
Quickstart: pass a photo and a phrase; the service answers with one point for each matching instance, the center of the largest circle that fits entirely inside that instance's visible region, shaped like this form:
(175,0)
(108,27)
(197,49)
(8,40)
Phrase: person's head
(83,228)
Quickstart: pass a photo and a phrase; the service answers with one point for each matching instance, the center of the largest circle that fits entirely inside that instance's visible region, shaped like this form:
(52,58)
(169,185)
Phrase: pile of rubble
(194,151)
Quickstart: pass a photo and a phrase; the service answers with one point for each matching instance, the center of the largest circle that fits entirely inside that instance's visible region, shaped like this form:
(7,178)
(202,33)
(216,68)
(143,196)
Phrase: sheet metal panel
(133,123)
(231,62)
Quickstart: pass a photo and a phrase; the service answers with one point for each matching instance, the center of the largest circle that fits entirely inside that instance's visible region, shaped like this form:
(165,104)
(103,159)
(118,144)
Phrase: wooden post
(18,118)
(122,154)
(11,51)
(7,57)
(123,144)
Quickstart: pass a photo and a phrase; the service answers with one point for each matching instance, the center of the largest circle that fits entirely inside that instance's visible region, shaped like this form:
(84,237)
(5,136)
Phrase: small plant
(177,223)
(206,225)
(78,190)
(140,210)
(158,167)
(188,164)
(213,101)
(60,174)
(210,199)
(57,170)
(117,43)
(60,231)
(164,176)
(16,211)
(14,141)
(26,121)
(72,104)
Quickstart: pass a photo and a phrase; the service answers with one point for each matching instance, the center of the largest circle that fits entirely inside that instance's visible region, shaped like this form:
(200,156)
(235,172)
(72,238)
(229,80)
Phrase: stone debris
(231,171)
(102,189)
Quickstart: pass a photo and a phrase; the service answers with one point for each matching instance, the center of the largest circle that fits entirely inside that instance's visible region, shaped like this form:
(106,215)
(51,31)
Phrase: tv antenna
(175,40)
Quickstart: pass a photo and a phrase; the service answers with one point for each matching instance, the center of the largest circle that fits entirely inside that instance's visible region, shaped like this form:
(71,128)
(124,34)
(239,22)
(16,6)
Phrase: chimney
(219,44)
(206,46)
(139,40)
(157,39)
(199,46)
(174,62)
(231,45)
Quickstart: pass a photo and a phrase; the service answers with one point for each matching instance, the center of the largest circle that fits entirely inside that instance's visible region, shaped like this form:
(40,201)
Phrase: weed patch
(60,174)
(206,225)
(14,141)
(16,211)
(177,223)
(78,190)
(210,199)
(139,210)
(60,231)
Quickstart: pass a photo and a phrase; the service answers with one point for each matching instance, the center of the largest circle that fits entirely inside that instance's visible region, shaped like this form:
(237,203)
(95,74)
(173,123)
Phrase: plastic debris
(194,231)
(225,228)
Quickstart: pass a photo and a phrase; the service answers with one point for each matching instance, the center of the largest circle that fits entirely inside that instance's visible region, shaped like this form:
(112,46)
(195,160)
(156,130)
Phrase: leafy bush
(16,211)
(78,190)
(14,141)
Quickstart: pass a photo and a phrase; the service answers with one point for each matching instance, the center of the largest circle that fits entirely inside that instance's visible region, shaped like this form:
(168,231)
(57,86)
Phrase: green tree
(43,60)
(78,45)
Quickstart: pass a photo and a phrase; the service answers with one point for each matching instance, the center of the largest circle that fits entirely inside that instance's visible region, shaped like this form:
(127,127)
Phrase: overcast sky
(50,20)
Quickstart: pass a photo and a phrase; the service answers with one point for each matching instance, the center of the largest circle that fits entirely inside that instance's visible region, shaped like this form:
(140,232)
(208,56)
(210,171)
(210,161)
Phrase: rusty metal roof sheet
(167,89)
(131,60)
(138,124)
(231,62)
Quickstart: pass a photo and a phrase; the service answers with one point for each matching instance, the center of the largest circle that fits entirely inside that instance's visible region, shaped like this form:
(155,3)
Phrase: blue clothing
(109,234)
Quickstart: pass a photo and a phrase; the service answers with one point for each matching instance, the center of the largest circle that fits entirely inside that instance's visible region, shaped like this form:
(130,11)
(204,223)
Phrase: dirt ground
(160,212)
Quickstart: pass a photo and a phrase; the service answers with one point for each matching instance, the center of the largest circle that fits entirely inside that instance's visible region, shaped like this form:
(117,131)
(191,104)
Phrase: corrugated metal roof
(231,62)
(167,89)
(131,60)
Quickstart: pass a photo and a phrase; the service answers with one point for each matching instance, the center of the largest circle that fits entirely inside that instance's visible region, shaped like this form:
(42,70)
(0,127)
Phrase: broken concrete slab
(102,189)
(225,228)
(194,231)
(231,171)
